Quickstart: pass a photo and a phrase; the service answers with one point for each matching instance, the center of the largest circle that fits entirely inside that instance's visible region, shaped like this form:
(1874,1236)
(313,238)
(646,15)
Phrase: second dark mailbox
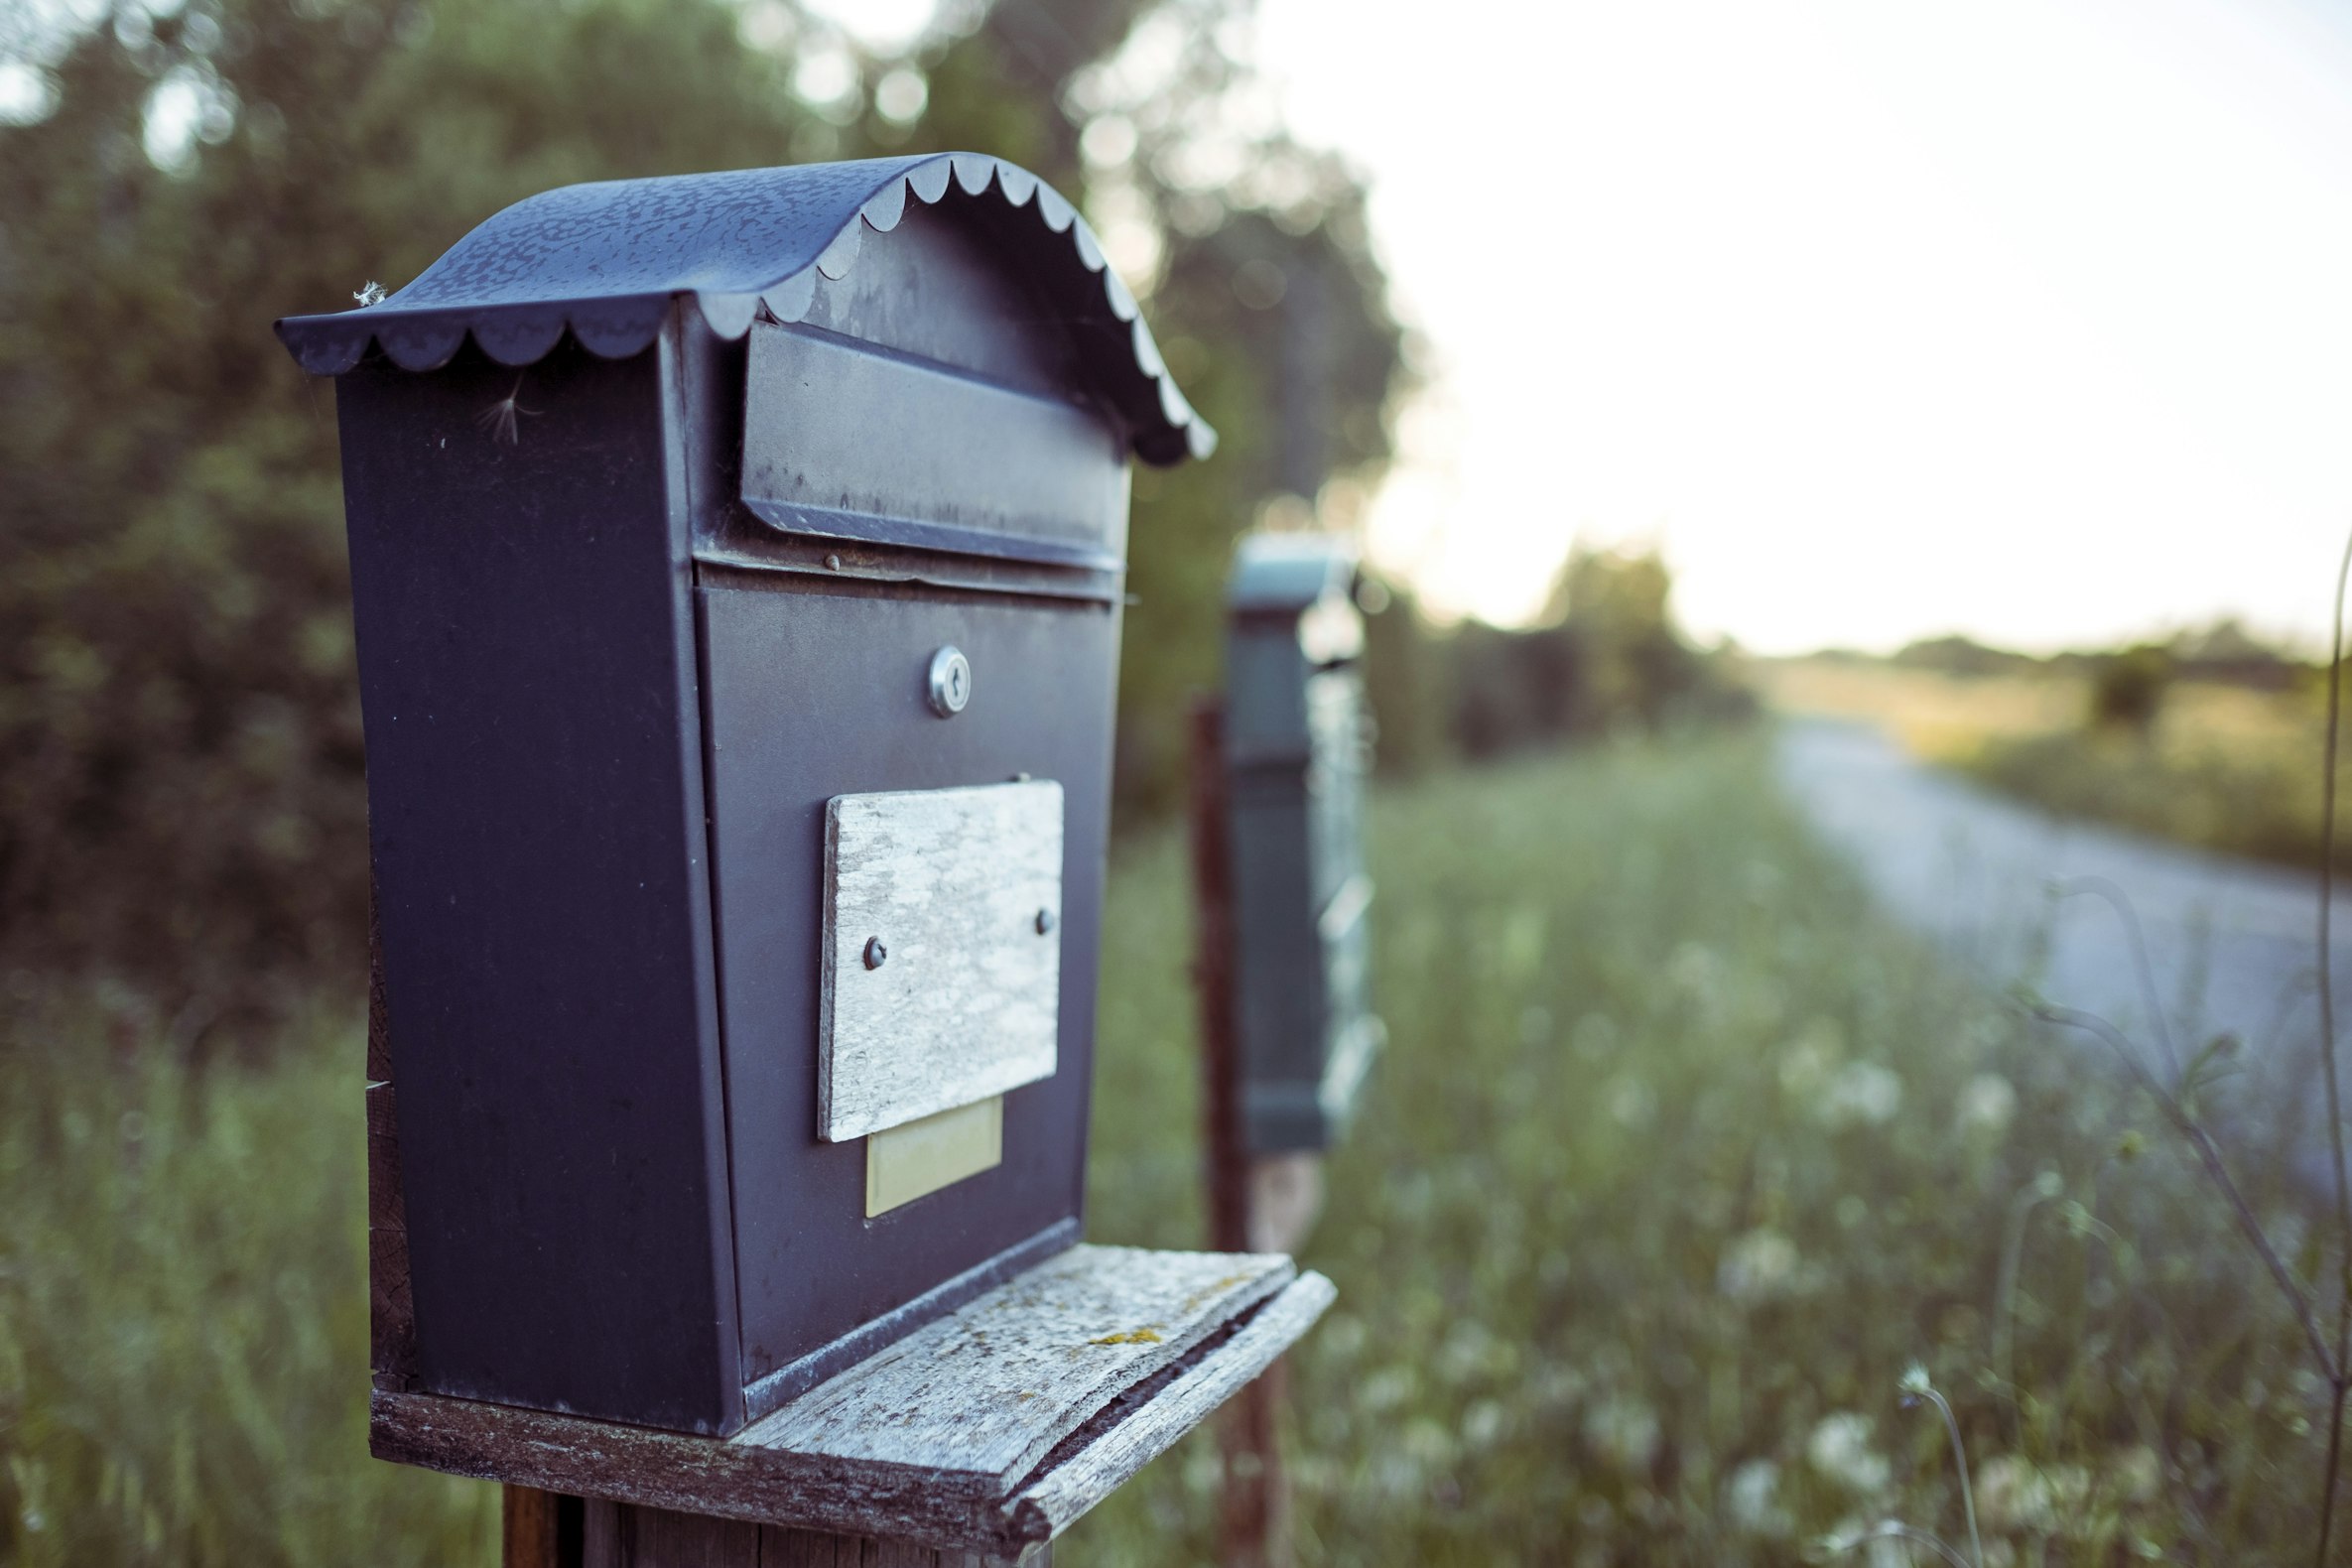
(1296,742)
(738,564)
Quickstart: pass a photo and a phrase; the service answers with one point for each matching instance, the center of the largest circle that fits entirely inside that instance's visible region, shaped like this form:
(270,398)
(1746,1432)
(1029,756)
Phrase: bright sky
(2026,317)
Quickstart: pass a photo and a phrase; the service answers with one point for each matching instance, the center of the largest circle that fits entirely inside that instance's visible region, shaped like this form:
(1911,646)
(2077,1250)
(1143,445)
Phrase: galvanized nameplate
(942,951)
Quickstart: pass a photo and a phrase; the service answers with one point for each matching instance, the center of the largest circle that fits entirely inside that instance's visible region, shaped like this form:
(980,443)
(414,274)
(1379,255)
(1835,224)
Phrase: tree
(181,791)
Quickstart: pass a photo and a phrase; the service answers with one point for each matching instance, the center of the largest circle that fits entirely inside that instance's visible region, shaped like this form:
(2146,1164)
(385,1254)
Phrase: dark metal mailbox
(1296,740)
(738,567)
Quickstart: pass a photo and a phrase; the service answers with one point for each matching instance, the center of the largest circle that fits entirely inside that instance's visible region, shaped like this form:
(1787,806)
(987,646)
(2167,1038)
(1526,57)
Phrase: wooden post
(1254,1528)
(621,1536)
(1227,1160)
(539,1529)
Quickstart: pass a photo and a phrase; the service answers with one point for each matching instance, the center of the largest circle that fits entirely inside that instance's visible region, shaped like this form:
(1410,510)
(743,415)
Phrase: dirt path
(2232,941)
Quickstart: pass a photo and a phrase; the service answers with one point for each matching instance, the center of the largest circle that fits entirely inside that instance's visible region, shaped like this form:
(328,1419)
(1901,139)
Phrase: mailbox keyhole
(951,680)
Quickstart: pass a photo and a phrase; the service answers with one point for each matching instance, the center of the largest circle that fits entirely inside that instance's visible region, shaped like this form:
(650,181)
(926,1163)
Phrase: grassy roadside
(1677,1159)
(2223,767)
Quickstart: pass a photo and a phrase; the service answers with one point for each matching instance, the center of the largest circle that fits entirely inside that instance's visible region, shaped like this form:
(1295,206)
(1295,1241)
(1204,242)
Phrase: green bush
(2258,801)
(2127,689)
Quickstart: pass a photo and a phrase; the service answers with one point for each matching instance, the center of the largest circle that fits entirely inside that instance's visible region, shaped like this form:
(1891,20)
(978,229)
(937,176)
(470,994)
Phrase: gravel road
(2232,942)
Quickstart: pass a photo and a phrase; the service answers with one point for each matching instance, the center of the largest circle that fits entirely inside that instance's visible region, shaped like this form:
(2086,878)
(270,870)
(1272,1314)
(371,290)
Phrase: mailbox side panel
(522,590)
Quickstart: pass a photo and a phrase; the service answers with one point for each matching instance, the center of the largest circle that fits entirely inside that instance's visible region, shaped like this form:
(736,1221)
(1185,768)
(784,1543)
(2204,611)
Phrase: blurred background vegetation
(180,764)
(2209,736)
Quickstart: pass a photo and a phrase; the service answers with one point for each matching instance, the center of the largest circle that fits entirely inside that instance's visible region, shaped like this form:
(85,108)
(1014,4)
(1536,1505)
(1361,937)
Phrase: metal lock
(951,680)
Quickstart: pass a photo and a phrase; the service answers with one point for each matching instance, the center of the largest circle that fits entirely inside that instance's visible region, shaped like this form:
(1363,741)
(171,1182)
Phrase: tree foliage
(180,764)
(1605,656)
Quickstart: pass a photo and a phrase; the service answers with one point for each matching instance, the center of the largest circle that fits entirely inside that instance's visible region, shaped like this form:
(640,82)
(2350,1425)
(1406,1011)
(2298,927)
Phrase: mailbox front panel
(815,689)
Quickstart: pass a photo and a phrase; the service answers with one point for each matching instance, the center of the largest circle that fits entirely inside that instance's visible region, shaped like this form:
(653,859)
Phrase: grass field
(1677,1159)
(2224,768)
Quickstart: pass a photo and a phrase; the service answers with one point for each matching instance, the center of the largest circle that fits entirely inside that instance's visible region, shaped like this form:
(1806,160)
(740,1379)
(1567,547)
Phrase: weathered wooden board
(1068,1486)
(992,1386)
(1117,1351)
(942,951)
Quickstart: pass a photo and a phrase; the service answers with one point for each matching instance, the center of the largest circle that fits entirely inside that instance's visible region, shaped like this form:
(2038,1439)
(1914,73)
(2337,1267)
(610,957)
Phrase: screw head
(1045,921)
(876,952)
(951,680)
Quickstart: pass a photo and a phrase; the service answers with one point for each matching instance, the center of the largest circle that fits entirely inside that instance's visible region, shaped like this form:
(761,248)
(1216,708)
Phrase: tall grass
(1678,1158)
(182,1306)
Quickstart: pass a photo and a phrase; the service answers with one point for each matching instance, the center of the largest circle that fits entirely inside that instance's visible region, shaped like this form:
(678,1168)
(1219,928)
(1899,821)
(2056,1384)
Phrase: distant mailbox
(738,564)
(1296,741)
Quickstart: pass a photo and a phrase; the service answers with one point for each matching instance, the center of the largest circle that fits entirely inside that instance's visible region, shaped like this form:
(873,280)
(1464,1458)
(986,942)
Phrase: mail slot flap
(942,951)
(845,440)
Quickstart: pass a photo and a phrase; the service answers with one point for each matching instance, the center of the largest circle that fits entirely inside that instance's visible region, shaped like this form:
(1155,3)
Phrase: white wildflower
(1632,1103)
(1343,1336)
(1430,1445)
(2013,1494)
(1807,1061)
(2135,1473)
(1761,1265)
(1753,1499)
(1861,1093)
(1987,1105)
(1482,1423)
(1697,968)
(1385,1390)
(1624,1431)
(1840,1449)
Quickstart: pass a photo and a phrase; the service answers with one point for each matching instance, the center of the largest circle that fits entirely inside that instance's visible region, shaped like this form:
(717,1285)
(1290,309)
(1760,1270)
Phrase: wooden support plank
(531,1529)
(1262,1203)
(1228,1161)
(948,1459)
(1067,1490)
(987,1390)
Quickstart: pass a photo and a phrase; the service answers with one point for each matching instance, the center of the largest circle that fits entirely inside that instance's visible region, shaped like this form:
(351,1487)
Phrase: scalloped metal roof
(603,261)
